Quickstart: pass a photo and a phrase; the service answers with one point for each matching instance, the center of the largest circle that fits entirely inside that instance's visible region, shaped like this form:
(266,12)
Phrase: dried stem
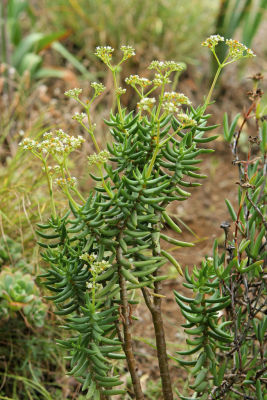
(127,337)
(246,397)
(155,309)
(245,120)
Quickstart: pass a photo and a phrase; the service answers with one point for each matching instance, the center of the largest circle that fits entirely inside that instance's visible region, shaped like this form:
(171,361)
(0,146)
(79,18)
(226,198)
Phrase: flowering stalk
(91,132)
(74,93)
(207,101)
(236,51)
(118,96)
(57,147)
(99,160)
(50,188)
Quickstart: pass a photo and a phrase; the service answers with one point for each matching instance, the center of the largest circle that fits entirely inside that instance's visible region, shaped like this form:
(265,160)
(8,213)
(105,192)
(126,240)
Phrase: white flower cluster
(166,66)
(79,116)
(128,51)
(60,144)
(176,98)
(99,266)
(96,267)
(28,144)
(160,80)
(185,120)
(238,50)
(120,91)
(134,80)
(98,87)
(74,93)
(99,158)
(70,181)
(170,107)
(91,285)
(90,258)
(212,41)
(146,103)
(104,53)
(172,101)
(55,169)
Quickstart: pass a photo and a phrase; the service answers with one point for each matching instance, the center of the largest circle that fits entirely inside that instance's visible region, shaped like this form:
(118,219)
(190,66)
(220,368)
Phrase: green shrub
(226,313)
(108,245)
